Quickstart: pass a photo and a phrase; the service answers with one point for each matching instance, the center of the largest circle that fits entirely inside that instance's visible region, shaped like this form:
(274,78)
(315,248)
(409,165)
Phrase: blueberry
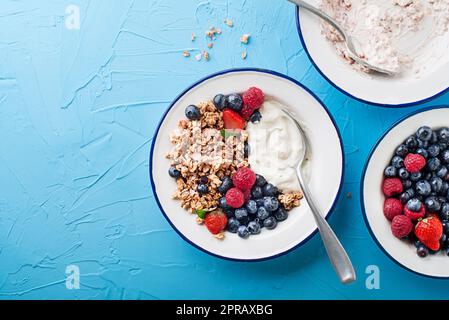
(422,251)
(401,151)
(256,192)
(423,152)
(414,205)
(433,164)
(432,204)
(403,174)
(397,162)
(444,188)
(204,180)
(390,172)
(434,138)
(445,224)
(251,207)
(226,184)
(442,172)
(193,113)
(424,133)
(222,203)
(174,173)
(241,213)
(260,180)
(254,227)
(220,102)
(437,184)
(246,150)
(443,134)
(445,156)
(427,176)
(233,225)
(243,232)
(423,144)
(262,213)
(270,203)
(416,176)
(407,184)
(443,145)
(270,223)
(446,251)
(417,244)
(235,102)
(411,143)
(407,195)
(443,240)
(259,202)
(202,189)
(423,188)
(256,117)
(269,190)
(281,214)
(434,150)
(445,211)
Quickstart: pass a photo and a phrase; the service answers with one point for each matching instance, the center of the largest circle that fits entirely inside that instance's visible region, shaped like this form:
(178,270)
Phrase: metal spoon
(337,254)
(349,40)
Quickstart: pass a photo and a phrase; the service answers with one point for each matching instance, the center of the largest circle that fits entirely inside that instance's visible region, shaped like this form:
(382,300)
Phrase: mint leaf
(201,213)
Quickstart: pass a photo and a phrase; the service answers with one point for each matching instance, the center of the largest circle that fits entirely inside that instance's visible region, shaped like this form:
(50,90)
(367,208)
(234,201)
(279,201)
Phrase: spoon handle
(337,254)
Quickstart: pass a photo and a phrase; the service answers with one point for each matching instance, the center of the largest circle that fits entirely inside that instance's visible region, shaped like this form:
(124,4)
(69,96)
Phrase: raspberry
(244,179)
(392,187)
(235,198)
(247,195)
(401,226)
(429,232)
(246,112)
(414,162)
(216,222)
(392,208)
(254,98)
(415,215)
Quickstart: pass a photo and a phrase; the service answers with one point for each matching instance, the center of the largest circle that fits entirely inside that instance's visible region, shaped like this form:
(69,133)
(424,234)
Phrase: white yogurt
(275,145)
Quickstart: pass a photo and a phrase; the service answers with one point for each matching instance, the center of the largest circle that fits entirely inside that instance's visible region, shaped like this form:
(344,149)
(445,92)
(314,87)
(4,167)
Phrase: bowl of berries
(222,164)
(405,192)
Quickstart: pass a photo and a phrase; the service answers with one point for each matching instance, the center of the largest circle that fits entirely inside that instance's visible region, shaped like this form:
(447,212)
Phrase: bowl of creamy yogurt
(274,148)
(409,37)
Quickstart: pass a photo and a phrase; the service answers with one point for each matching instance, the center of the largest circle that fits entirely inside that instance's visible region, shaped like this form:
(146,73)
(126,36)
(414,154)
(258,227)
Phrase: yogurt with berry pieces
(275,145)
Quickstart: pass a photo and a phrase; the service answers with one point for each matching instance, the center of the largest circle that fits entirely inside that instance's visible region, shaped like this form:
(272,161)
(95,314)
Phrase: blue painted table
(79,104)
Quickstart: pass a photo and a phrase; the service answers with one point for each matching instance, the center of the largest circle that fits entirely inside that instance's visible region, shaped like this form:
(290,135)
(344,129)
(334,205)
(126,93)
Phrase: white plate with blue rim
(372,198)
(402,90)
(325,142)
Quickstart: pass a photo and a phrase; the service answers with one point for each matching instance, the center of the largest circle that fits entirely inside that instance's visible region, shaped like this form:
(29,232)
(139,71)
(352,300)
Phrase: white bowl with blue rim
(398,91)
(325,176)
(372,198)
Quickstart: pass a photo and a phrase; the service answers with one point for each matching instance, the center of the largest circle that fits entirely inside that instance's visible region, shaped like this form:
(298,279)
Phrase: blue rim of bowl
(236,70)
(362,193)
(403,105)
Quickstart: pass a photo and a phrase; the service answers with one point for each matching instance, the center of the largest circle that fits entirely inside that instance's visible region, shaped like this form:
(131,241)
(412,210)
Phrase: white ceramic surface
(391,91)
(402,252)
(325,176)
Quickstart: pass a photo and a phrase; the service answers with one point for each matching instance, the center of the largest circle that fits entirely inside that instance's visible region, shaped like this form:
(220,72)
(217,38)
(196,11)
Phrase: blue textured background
(78,109)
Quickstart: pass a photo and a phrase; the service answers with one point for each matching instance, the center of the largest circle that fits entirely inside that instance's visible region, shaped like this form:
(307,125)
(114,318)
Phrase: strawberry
(392,208)
(401,226)
(392,187)
(415,215)
(216,222)
(429,232)
(232,120)
(414,162)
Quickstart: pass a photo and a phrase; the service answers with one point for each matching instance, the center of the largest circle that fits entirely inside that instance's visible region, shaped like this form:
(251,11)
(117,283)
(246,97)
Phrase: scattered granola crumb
(212,32)
(245,38)
(210,45)
(220,236)
(198,57)
(244,55)
(218,31)
(229,23)
(291,200)
(206,55)
(193,38)
(186,54)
